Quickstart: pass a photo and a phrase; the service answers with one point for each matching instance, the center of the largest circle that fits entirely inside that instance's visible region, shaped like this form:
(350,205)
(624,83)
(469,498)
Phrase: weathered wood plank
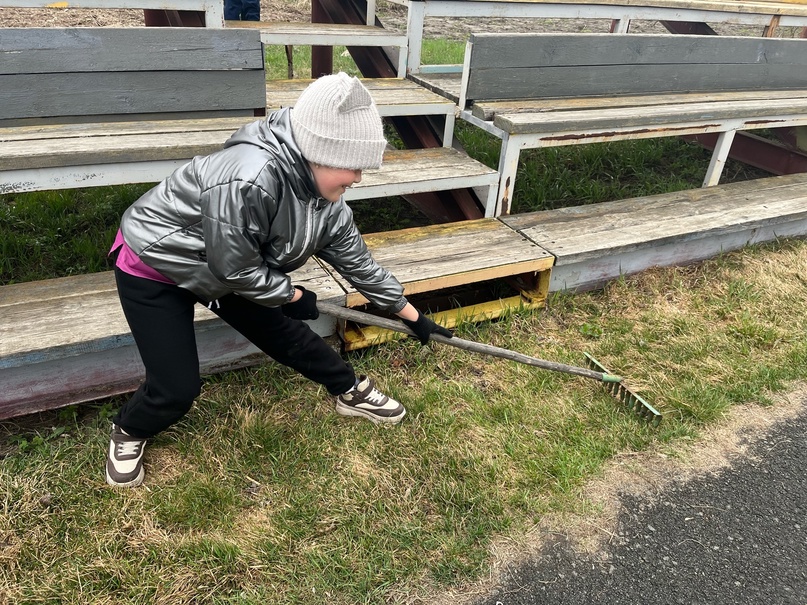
(627,79)
(729,7)
(75,73)
(422,165)
(44,321)
(105,93)
(445,85)
(386,92)
(486,110)
(588,232)
(148,126)
(530,50)
(442,256)
(57,50)
(656,116)
(393,178)
(112,149)
(287,28)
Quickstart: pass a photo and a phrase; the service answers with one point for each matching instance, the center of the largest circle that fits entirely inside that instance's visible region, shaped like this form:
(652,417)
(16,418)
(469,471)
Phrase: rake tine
(632,401)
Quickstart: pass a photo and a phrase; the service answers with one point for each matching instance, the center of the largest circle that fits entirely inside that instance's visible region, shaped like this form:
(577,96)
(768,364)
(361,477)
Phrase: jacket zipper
(309,230)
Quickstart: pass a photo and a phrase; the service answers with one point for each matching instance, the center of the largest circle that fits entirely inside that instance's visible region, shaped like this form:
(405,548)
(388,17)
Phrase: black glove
(304,307)
(424,327)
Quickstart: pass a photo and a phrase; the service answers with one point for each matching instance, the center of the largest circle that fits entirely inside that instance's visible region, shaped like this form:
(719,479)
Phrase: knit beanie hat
(336,123)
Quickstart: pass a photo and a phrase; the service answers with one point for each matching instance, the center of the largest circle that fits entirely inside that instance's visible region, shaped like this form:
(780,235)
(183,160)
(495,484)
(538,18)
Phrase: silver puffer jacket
(241,218)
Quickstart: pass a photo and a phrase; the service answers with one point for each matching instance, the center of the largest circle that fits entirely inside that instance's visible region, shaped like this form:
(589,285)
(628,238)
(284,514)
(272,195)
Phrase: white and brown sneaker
(366,401)
(124,461)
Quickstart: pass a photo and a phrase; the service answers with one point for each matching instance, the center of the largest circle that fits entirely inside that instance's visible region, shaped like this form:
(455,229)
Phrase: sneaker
(368,402)
(124,462)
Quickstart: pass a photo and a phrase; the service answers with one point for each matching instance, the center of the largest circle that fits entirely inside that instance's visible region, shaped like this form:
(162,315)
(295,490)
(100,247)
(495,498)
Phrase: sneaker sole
(346,410)
(133,483)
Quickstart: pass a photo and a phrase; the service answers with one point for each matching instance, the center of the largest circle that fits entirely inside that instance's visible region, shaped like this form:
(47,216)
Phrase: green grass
(262,494)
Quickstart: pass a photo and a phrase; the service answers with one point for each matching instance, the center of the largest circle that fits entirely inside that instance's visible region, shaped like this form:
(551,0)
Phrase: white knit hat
(336,123)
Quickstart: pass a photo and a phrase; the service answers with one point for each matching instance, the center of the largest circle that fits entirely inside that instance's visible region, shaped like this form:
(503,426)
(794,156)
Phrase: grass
(262,494)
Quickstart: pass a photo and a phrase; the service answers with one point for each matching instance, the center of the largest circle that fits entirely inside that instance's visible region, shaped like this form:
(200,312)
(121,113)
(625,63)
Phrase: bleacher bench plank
(49,72)
(392,96)
(763,14)
(560,65)
(327,34)
(147,158)
(65,341)
(214,10)
(431,258)
(408,171)
(487,110)
(599,242)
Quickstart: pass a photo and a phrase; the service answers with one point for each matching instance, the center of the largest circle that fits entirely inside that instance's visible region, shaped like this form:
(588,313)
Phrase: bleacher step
(392,96)
(321,34)
(65,341)
(597,243)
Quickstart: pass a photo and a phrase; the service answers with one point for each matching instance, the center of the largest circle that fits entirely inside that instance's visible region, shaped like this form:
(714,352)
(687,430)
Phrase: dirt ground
(393,16)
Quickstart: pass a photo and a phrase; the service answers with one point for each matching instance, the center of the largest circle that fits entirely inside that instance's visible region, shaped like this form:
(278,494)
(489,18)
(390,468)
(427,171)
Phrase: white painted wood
(595,273)
(621,25)
(466,74)
(392,96)
(403,172)
(72,177)
(598,242)
(414,31)
(719,156)
(370,12)
(508,168)
(213,9)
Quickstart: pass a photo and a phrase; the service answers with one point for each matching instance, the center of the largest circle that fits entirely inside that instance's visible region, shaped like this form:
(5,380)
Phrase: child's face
(332,182)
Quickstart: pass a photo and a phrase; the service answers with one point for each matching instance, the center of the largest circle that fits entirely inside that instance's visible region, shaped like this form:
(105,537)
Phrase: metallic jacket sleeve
(348,254)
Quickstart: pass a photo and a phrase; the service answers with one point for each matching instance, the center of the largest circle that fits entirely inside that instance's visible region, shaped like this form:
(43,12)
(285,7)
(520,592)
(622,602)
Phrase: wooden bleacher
(65,341)
(51,355)
(767,15)
(548,90)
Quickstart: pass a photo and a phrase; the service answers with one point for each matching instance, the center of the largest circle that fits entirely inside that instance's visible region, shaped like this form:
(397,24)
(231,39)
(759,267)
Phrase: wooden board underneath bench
(600,242)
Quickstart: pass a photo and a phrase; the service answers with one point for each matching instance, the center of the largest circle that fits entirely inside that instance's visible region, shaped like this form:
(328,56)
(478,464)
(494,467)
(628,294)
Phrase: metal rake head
(632,401)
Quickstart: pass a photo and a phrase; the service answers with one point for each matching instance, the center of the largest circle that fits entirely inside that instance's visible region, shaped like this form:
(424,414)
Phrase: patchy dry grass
(263,494)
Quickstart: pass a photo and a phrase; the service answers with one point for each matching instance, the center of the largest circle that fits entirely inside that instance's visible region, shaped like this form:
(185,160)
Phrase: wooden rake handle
(460,343)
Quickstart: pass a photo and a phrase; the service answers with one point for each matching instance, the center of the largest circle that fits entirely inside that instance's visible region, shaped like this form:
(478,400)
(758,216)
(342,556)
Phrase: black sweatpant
(161,319)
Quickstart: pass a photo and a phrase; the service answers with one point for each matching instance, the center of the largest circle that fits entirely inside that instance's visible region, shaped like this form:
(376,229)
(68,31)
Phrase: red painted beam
(416,132)
(755,151)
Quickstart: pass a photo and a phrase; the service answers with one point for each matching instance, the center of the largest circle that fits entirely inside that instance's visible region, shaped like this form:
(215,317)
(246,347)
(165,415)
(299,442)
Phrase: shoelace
(375,396)
(129,448)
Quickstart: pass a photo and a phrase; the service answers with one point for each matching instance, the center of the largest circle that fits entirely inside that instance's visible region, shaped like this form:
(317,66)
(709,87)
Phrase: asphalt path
(736,537)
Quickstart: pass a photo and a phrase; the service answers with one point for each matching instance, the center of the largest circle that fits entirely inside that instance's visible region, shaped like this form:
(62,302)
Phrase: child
(225,230)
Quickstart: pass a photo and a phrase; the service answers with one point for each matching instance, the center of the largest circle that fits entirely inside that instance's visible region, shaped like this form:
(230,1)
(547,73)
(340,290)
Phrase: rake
(597,371)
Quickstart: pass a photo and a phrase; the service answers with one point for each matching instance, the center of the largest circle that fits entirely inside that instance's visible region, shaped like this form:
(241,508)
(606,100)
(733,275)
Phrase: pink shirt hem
(130,263)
